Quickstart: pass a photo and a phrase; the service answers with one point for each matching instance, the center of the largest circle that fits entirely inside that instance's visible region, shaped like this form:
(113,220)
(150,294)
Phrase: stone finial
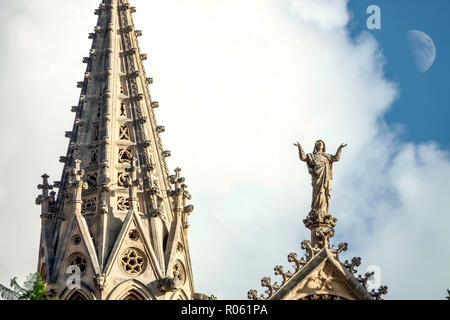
(365,279)
(76,183)
(180,196)
(351,266)
(44,199)
(381,291)
(160,129)
(343,246)
(155,104)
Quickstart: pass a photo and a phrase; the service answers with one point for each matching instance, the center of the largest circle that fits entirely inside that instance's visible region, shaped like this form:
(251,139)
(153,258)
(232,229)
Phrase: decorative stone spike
(350,266)
(366,278)
(381,291)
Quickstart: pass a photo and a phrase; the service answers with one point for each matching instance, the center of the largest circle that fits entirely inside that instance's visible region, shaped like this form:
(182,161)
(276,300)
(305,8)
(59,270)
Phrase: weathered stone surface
(319,275)
(116,213)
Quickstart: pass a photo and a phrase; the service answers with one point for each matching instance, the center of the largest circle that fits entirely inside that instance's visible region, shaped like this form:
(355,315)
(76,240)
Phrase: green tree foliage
(33,288)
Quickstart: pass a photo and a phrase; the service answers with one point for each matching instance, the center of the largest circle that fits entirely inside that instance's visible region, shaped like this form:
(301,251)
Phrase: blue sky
(423,107)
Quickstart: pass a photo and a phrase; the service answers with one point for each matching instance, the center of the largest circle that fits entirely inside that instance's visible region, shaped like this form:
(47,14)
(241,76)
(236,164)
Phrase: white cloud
(328,14)
(238,83)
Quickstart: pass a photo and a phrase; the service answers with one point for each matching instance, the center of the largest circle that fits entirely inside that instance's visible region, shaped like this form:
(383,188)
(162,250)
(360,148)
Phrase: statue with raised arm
(320,166)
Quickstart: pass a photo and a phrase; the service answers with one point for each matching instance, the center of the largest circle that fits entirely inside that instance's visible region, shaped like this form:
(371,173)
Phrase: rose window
(78,260)
(132,261)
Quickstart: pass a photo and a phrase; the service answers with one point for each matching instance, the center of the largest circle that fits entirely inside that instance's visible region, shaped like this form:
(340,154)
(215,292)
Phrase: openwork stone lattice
(123,204)
(179,272)
(79,260)
(92,180)
(89,206)
(124,133)
(133,261)
(122,179)
(125,156)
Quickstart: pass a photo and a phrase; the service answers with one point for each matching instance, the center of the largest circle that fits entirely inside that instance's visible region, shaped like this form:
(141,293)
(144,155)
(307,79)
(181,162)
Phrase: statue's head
(319,146)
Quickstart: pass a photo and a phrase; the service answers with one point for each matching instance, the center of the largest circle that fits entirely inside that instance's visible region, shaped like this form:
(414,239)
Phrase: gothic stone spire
(115,202)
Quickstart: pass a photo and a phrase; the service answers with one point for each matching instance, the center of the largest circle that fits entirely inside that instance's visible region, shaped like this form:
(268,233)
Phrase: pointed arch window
(133,295)
(77,295)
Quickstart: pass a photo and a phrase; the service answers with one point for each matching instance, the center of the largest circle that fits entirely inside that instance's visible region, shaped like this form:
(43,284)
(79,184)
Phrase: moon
(423,49)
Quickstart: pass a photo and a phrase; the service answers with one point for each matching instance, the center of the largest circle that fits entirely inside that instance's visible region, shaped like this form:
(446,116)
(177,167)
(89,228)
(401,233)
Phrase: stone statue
(320,166)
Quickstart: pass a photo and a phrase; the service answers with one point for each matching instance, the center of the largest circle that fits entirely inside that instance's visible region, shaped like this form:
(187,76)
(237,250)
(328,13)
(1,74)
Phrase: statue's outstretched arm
(300,151)
(337,156)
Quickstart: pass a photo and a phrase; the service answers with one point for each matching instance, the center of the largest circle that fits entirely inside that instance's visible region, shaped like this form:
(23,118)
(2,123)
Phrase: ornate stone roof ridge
(308,263)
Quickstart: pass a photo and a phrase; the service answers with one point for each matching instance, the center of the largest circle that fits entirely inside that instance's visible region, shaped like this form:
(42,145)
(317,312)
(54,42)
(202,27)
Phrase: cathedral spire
(116,164)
